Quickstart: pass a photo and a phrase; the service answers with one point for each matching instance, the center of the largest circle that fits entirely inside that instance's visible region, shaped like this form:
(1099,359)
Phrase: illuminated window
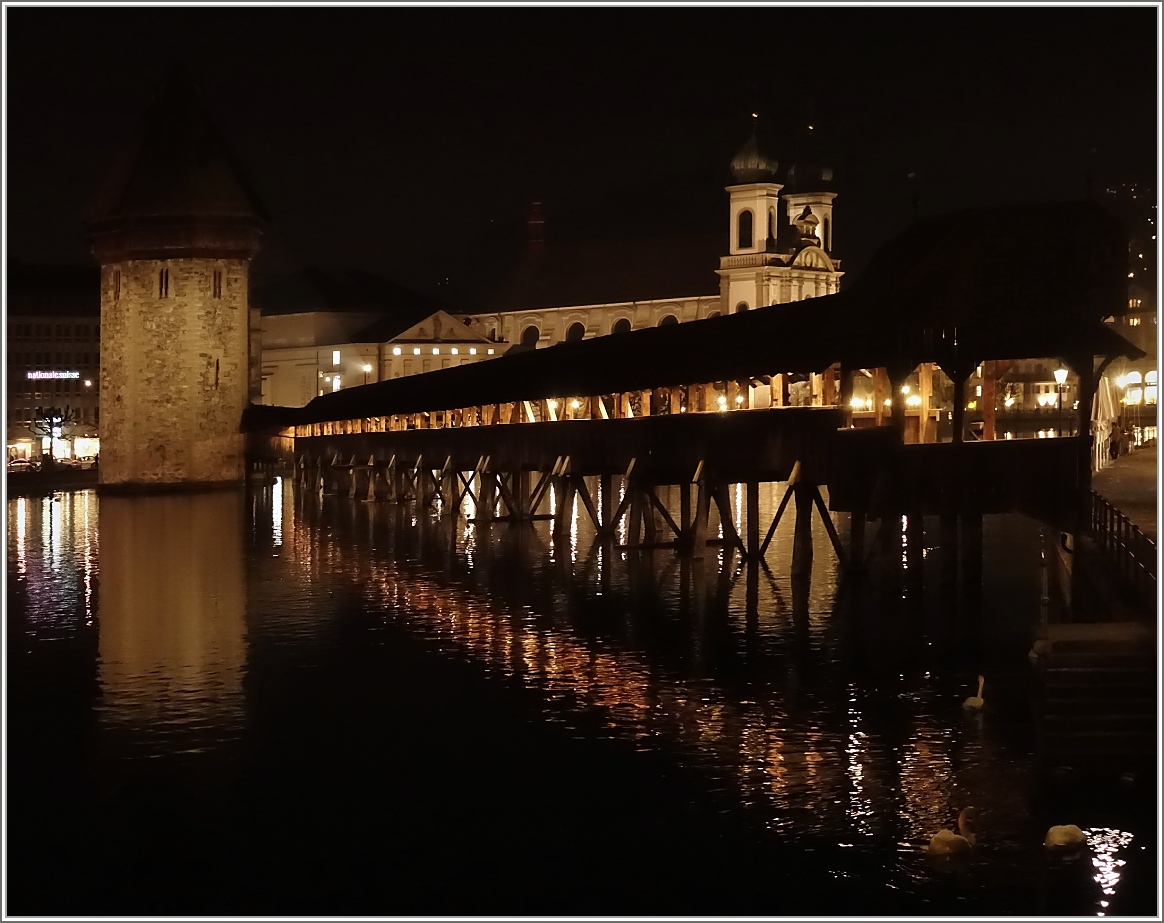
(1134,378)
(744,229)
(1133,322)
(335,357)
(1150,394)
(416,350)
(472,350)
(436,350)
(396,350)
(1150,378)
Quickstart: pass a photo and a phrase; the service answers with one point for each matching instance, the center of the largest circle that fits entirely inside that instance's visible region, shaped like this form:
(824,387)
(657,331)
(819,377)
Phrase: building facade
(54,362)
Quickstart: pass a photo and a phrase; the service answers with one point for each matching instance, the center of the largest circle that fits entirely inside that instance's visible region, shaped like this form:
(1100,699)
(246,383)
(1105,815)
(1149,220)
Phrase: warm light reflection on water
(836,730)
(173,620)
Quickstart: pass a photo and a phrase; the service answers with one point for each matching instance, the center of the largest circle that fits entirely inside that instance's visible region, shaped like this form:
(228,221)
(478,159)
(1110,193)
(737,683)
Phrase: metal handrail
(1131,552)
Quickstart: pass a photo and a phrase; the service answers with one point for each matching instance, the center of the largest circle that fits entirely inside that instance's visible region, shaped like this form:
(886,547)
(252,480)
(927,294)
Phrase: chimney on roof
(537,222)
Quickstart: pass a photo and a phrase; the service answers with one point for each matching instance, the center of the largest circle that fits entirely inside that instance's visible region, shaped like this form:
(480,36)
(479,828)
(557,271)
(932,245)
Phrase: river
(265,702)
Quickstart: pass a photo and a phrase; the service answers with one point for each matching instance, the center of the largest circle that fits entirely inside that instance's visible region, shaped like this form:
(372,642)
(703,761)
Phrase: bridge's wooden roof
(956,291)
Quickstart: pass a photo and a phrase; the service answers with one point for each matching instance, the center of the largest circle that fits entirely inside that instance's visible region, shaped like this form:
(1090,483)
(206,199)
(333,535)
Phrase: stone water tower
(174,228)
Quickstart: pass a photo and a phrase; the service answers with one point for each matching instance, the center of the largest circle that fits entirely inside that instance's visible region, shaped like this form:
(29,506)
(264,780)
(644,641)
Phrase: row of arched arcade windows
(577,331)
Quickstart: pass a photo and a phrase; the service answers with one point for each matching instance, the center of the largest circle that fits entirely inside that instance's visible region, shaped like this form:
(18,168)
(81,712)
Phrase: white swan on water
(976,701)
(1064,836)
(947,842)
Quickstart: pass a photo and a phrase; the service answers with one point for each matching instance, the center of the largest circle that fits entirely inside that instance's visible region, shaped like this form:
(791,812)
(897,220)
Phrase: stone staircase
(1096,711)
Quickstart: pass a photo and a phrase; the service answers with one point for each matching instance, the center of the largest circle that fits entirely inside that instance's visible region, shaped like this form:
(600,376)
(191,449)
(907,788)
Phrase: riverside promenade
(1131,485)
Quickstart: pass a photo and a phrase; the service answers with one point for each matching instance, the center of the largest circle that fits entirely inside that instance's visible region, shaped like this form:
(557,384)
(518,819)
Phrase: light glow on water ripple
(841,767)
(828,731)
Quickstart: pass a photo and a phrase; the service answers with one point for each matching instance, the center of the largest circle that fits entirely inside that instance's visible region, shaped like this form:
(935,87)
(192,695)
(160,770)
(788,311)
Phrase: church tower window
(116,284)
(744,230)
(216,284)
(163,283)
(827,235)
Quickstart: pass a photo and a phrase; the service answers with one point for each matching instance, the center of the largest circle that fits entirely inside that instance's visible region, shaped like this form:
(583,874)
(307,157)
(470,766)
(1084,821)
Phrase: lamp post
(1060,378)
(367,369)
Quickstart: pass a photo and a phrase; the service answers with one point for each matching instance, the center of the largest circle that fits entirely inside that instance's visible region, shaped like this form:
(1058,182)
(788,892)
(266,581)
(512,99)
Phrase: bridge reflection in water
(830,720)
(265,677)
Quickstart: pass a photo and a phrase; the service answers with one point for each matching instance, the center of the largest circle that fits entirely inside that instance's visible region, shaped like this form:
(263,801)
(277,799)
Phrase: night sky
(398,140)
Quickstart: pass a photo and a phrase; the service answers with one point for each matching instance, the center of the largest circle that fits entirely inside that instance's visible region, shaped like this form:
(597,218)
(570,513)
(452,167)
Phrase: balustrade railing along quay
(1127,549)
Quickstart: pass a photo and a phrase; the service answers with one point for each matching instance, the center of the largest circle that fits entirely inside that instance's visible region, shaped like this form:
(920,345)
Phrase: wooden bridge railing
(1127,548)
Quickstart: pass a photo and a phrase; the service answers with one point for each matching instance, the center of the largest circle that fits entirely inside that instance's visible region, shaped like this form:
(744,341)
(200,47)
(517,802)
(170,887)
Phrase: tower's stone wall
(174,371)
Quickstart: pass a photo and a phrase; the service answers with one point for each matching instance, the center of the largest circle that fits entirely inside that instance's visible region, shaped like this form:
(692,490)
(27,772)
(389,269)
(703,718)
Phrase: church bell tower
(174,228)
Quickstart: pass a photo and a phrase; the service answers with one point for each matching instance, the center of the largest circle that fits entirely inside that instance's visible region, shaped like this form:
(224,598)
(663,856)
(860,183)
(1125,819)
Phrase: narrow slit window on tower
(116,284)
(827,237)
(772,224)
(744,230)
(216,287)
(163,283)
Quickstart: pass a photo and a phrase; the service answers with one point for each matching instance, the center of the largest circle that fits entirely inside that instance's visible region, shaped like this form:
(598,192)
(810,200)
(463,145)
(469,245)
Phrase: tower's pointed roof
(175,166)
(752,165)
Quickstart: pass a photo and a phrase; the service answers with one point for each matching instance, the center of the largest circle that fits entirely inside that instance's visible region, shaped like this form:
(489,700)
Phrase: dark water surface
(268,703)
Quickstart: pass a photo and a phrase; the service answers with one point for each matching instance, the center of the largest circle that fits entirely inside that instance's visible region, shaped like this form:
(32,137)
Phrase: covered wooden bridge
(707,404)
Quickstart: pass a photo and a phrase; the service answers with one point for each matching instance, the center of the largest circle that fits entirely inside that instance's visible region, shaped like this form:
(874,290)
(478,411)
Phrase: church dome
(751,165)
(807,172)
(809,177)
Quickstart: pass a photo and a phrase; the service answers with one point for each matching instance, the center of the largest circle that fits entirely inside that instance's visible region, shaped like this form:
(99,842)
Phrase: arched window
(622,325)
(669,319)
(771,224)
(530,336)
(827,238)
(712,314)
(576,332)
(744,230)
(741,307)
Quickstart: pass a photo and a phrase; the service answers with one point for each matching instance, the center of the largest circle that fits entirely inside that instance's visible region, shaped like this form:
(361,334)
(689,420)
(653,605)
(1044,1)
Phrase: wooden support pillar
(948,554)
(698,529)
(676,398)
(857,541)
(988,399)
(624,406)
(802,533)
(829,386)
(927,431)
(685,511)
(778,387)
(731,392)
(959,418)
(881,392)
(752,517)
(816,388)
(606,504)
(845,399)
(971,541)
(486,496)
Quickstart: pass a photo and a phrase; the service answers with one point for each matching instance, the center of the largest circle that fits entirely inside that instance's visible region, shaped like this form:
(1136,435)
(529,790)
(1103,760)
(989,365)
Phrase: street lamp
(367,369)
(1060,378)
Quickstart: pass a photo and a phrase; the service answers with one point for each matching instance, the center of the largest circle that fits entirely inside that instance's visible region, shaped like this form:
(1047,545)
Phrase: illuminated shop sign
(54,374)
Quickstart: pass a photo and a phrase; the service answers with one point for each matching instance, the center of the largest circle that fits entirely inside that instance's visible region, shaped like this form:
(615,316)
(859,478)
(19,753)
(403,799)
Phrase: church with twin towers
(187,342)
